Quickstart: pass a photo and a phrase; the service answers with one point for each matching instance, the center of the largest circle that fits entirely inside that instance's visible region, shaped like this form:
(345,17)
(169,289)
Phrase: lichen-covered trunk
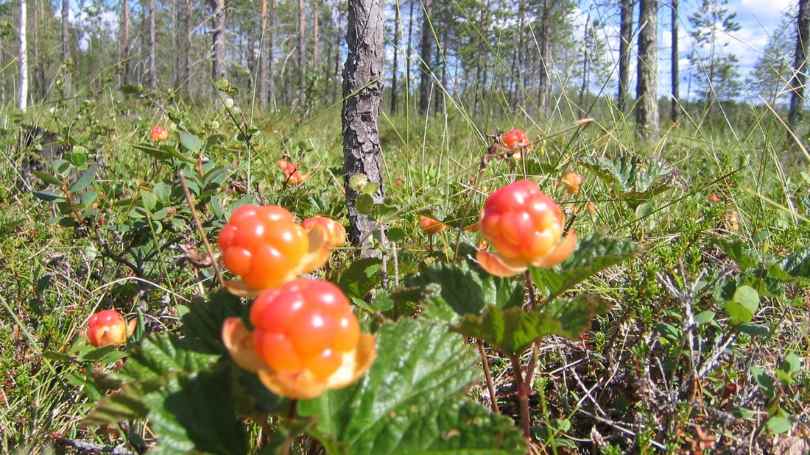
(625,44)
(218,41)
(362,93)
(647,83)
(426,54)
(799,64)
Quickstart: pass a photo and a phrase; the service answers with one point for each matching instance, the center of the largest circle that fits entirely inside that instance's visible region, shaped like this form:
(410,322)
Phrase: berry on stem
(266,248)
(514,139)
(158,133)
(431,226)
(108,328)
(525,227)
(306,340)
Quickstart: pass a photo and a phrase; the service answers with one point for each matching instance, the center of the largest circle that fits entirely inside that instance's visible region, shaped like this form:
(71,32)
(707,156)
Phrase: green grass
(634,374)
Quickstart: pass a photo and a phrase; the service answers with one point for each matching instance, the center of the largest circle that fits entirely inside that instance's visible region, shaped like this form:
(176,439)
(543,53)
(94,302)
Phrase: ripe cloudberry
(335,232)
(430,225)
(572,181)
(158,133)
(108,328)
(514,139)
(266,248)
(291,173)
(525,227)
(306,340)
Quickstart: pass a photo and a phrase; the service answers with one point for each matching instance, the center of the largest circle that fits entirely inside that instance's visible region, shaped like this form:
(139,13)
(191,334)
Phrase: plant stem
(200,230)
(522,393)
(488,377)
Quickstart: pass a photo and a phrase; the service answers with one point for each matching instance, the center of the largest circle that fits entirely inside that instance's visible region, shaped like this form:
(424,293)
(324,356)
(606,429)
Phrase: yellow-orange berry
(107,328)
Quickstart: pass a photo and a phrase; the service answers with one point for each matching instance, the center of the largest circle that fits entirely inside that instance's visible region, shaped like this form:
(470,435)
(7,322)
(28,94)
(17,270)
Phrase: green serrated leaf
(190,142)
(361,277)
(84,180)
(593,254)
(149,200)
(468,289)
(512,330)
(743,305)
(411,402)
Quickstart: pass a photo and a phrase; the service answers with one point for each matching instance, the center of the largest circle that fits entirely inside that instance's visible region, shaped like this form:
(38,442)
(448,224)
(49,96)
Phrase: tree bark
(316,39)
(184,46)
(336,73)
(218,41)
(22,58)
(362,93)
(123,45)
(799,65)
(39,71)
(152,47)
(426,54)
(675,108)
(442,61)
(394,87)
(625,45)
(545,55)
(265,54)
(585,76)
(66,60)
(517,67)
(302,62)
(647,84)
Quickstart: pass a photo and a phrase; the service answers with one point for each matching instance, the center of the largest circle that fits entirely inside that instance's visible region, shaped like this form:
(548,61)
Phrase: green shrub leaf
(411,402)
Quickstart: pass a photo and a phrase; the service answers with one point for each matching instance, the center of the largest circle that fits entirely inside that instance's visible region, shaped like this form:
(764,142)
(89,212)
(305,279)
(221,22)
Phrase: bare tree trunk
(316,46)
(39,74)
(337,60)
(675,108)
(66,60)
(218,41)
(123,45)
(409,54)
(426,54)
(585,76)
(545,55)
(152,47)
(440,92)
(646,85)
(22,59)
(517,62)
(302,62)
(480,69)
(265,55)
(362,92)
(184,46)
(394,81)
(625,45)
(799,65)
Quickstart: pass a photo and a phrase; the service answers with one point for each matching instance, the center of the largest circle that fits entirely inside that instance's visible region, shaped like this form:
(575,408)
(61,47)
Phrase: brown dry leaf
(195,257)
(791,445)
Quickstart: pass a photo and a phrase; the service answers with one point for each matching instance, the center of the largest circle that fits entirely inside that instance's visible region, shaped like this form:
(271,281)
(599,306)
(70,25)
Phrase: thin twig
(493,399)
(200,230)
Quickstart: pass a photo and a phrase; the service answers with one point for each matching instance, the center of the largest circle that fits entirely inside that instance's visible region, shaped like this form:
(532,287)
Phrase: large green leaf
(411,402)
(185,417)
(593,254)
(468,289)
(158,360)
(743,305)
(512,330)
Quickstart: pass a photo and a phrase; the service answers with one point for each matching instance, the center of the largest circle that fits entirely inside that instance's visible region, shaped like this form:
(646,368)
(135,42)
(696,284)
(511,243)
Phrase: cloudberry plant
(291,173)
(514,139)
(306,340)
(158,134)
(526,229)
(266,248)
(107,328)
(430,225)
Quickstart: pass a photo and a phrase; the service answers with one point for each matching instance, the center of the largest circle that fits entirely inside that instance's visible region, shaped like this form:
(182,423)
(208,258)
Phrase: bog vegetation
(457,230)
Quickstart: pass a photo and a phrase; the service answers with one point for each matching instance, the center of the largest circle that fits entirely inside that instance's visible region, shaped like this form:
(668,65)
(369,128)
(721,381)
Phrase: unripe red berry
(514,139)
(525,227)
(158,133)
(107,328)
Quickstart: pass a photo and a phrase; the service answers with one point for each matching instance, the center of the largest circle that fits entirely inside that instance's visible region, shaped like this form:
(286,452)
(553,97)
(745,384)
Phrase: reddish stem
(488,376)
(522,394)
